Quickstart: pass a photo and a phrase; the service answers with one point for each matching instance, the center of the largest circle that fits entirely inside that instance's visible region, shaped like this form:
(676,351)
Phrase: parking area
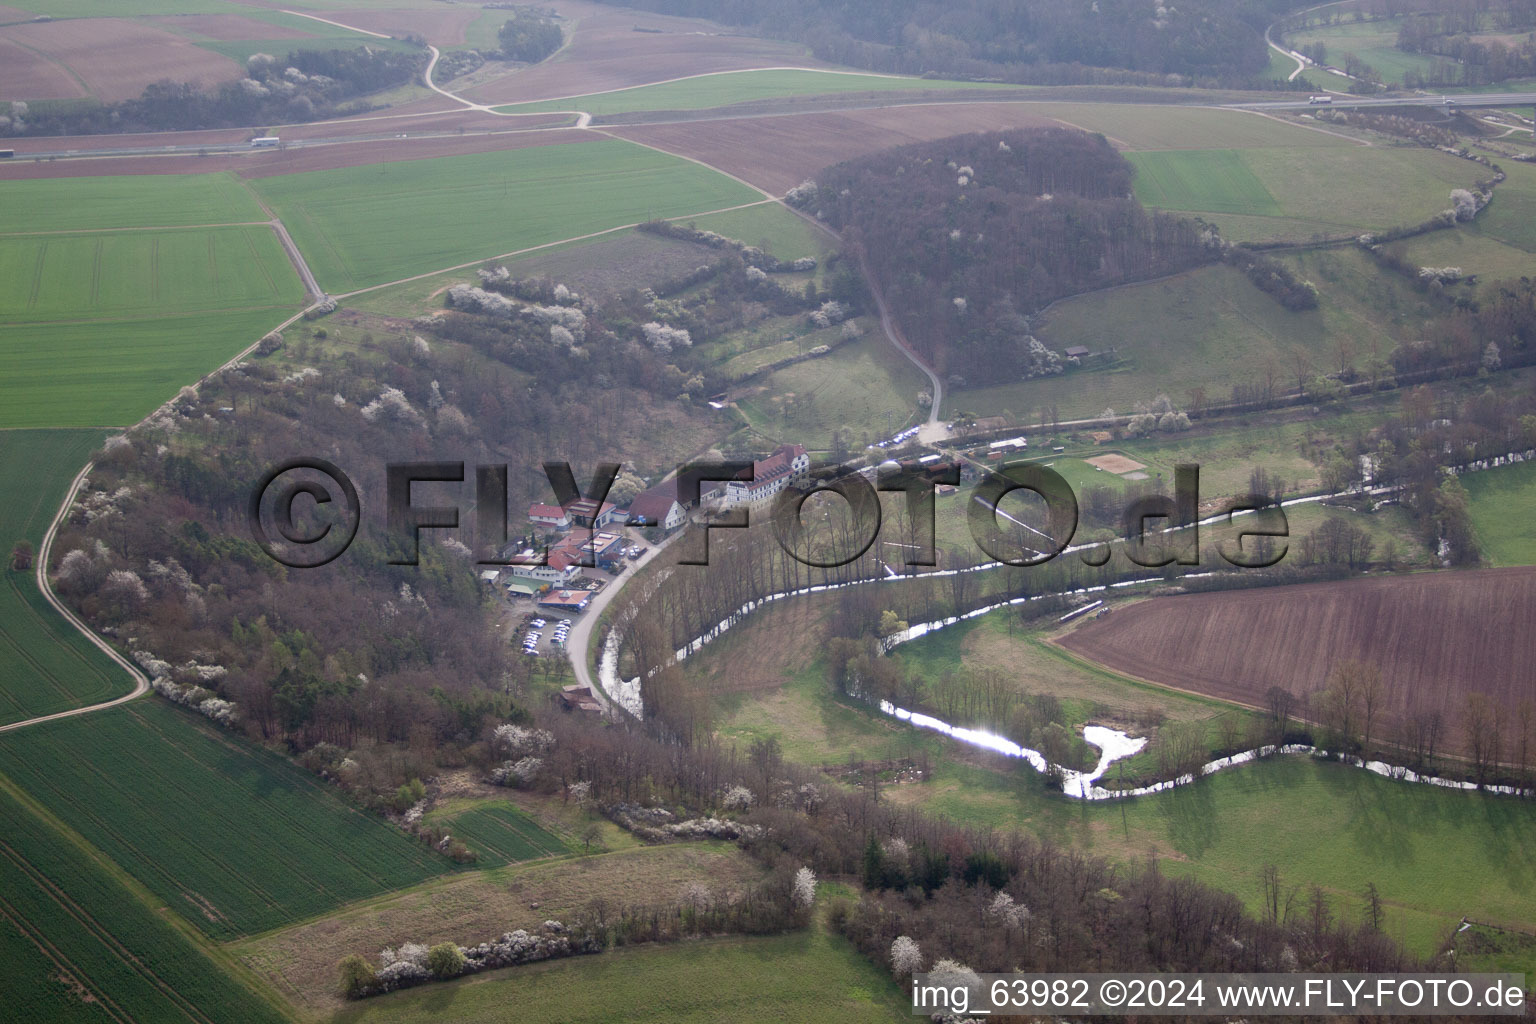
(542,634)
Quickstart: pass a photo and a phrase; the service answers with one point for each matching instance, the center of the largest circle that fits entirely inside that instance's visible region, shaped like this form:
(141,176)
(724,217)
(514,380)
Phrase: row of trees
(1035,41)
(304,85)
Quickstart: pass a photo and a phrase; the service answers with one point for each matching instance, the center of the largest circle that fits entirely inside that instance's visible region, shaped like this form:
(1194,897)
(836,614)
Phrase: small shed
(1076,352)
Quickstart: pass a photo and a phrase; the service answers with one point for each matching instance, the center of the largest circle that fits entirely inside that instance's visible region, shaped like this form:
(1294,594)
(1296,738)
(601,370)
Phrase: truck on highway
(1319,99)
(264,141)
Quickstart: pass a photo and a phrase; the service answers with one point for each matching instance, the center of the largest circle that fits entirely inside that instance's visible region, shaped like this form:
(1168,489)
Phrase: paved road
(582,631)
(1439,100)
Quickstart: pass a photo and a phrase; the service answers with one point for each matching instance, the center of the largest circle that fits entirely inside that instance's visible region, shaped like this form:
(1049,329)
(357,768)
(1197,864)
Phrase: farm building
(604,550)
(578,698)
(566,600)
(1076,352)
(658,506)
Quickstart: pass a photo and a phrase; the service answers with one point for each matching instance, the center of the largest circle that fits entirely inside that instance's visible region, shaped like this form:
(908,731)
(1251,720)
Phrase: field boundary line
(140,680)
(143,227)
(707,74)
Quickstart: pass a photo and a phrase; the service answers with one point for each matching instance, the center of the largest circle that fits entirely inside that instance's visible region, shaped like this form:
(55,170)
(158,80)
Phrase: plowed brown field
(1435,636)
(28,75)
(440,27)
(228,26)
(606,52)
(777,153)
(117,58)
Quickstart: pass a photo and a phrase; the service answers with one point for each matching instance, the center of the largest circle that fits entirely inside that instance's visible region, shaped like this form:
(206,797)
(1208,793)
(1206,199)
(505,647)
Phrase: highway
(1437,100)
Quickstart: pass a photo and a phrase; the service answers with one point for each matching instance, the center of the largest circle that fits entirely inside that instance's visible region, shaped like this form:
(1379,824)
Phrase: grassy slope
(803,978)
(368,225)
(1209,328)
(71,932)
(45,665)
(1511,217)
(232,837)
(718,90)
(499,834)
(1502,500)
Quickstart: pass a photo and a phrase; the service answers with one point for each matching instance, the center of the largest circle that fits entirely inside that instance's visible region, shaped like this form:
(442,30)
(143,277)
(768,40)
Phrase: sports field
(803,978)
(234,838)
(364,226)
(45,665)
(79,945)
(723,89)
(1501,504)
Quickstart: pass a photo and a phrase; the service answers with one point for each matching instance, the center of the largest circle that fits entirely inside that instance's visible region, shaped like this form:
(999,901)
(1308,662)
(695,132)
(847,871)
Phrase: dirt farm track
(1436,637)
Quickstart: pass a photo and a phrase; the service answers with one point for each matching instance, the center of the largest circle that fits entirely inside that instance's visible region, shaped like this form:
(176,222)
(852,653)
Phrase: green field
(79,945)
(45,664)
(1213,180)
(137,273)
(126,201)
(1475,251)
(100,322)
(365,226)
(772,227)
(719,90)
(114,372)
(804,978)
(232,837)
(1139,126)
(1296,193)
(500,834)
(1502,500)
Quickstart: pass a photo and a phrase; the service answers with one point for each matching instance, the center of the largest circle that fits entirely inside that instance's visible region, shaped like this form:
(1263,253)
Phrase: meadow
(865,389)
(1501,500)
(81,946)
(803,978)
(1374,42)
(772,227)
(723,89)
(234,838)
(365,226)
(45,665)
(1511,217)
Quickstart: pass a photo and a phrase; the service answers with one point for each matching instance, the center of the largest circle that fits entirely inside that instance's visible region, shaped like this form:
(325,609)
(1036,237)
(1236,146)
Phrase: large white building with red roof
(788,466)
